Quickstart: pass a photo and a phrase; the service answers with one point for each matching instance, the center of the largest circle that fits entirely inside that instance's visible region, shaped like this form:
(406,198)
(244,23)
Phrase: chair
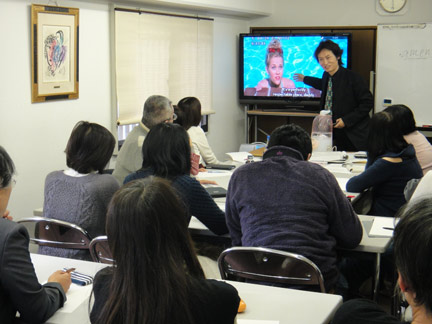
(56,233)
(269,265)
(100,250)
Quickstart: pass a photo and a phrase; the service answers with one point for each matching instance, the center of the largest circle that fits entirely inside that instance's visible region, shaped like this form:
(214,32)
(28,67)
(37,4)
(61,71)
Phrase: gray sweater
(79,200)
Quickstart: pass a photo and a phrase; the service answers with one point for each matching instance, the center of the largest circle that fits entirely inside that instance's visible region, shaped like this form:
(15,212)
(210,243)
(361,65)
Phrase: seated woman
(274,67)
(190,117)
(80,195)
(156,271)
(404,119)
(412,246)
(166,154)
(390,165)
(19,287)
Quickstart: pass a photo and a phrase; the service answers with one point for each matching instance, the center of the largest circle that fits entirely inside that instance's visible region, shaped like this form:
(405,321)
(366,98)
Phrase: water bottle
(322,135)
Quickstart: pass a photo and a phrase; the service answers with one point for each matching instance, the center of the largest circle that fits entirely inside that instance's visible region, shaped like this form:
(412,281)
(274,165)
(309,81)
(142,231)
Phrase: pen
(69,270)
(389,228)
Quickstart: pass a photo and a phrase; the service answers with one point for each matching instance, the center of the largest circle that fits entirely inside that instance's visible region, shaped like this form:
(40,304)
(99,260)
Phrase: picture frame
(54,59)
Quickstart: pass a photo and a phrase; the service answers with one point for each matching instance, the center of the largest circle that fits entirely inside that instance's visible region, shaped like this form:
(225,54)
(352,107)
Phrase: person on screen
(166,153)
(20,289)
(346,94)
(287,203)
(157,278)
(274,67)
(412,248)
(157,109)
(391,163)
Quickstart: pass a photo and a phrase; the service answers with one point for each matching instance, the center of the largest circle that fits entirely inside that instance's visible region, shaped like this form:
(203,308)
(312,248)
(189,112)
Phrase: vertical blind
(161,54)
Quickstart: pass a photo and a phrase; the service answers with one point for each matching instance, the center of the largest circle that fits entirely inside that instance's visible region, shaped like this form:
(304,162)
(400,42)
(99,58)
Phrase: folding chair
(270,266)
(100,251)
(56,233)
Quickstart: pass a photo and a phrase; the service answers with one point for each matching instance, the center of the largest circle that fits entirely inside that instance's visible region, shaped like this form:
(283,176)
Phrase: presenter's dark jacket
(19,287)
(352,102)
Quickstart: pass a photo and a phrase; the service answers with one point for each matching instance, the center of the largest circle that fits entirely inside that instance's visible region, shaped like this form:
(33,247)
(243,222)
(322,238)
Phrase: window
(161,54)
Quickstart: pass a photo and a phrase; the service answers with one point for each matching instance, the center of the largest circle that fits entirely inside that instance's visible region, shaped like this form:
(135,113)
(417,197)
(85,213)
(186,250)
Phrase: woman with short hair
(80,194)
(166,153)
(391,163)
(157,278)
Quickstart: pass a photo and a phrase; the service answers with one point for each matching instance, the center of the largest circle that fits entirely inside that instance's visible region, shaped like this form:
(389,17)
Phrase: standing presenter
(346,94)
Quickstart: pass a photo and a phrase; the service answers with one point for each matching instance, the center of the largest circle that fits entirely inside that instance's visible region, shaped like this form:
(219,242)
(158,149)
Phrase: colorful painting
(54,53)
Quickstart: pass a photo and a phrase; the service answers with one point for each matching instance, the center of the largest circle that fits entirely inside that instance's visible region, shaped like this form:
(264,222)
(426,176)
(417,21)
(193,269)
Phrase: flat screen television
(255,83)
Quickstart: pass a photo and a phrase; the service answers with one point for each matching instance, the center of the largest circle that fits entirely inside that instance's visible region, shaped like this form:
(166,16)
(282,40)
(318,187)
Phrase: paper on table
(383,227)
(238,156)
(246,321)
(328,156)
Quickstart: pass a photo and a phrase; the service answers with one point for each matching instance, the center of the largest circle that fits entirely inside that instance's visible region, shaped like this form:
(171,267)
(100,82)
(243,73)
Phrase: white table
(75,309)
(263,302)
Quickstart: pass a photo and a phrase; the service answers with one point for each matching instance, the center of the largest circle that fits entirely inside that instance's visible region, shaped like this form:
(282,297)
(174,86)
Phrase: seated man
(157,109)
(412,247)
(290,204)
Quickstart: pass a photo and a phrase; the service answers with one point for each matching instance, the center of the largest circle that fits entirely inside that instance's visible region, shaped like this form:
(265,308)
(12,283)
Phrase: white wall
(35,135)
(341,13)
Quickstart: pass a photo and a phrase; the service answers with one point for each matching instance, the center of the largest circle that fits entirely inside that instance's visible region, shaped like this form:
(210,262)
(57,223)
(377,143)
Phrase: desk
(75,309)
(263,302)
(286,305)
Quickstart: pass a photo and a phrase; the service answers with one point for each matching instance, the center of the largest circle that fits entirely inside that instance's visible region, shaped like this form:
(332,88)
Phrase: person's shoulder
(10,229)
(55,174)
(140,174)
(219,289)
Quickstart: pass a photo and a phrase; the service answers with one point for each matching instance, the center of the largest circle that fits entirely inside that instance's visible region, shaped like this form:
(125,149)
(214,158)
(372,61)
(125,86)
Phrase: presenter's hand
(298,77)
(339,123)
(63,278)
(7,216)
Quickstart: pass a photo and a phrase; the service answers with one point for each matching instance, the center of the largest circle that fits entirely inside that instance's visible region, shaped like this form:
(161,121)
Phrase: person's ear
(309,156)
(401,283)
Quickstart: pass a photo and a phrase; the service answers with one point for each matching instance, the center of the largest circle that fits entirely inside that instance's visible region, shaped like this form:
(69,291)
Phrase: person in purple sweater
(290,204)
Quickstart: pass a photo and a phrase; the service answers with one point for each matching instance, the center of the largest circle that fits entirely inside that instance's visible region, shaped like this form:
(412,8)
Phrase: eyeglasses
(174,117)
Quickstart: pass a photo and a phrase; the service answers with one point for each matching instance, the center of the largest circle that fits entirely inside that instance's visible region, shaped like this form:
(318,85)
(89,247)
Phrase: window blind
(161,54)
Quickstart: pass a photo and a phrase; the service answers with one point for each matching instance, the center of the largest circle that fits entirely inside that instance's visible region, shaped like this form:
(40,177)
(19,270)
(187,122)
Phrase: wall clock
(392,6)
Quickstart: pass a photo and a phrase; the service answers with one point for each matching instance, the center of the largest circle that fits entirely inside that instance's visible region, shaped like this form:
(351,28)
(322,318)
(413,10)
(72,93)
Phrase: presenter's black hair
(155,262)
(293,136)
(7,168)
(404,118)
(384,136)
(190,108)
(166,150)
(412,250)
(89,148)
(331,46)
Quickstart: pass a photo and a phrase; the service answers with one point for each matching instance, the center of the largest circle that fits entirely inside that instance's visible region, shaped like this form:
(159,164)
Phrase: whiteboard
(404,68)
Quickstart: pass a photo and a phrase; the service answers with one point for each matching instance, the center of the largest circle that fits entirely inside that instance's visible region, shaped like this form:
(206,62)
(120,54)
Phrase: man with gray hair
(157,109)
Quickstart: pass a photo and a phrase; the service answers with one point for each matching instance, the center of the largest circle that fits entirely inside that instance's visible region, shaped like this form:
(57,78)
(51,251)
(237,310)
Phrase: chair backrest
(269,265)
(100,251)
(56,233)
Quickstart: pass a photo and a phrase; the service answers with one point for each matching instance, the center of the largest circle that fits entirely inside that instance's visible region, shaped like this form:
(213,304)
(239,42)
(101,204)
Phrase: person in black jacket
(346,94)
(20,290)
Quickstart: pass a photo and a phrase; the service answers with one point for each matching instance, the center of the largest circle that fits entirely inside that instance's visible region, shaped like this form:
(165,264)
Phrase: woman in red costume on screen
(274,68)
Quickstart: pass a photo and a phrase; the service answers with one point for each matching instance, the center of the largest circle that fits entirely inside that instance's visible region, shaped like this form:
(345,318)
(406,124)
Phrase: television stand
(264,121)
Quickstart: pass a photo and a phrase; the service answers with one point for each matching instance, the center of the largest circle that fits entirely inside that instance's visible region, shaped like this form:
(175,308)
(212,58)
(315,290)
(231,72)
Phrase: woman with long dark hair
(166,153)
(390,165)
(157,278)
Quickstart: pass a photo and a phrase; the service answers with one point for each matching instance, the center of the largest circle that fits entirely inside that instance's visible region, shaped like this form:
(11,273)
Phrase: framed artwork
(54,38)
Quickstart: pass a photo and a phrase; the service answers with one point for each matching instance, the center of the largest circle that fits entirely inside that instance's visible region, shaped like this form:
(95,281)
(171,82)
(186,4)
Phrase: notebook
(216,192)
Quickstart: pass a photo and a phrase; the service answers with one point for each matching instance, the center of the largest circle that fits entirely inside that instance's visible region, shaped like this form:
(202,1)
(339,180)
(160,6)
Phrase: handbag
(362,204)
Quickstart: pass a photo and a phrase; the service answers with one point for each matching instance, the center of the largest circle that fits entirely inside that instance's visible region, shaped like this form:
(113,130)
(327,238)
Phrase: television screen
(290,53)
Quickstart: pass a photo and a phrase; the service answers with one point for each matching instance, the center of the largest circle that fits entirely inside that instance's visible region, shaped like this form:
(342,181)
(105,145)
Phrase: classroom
(35,134)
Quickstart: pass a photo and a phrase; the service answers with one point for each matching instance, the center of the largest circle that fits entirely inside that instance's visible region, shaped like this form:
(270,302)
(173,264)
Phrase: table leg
(377,276)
